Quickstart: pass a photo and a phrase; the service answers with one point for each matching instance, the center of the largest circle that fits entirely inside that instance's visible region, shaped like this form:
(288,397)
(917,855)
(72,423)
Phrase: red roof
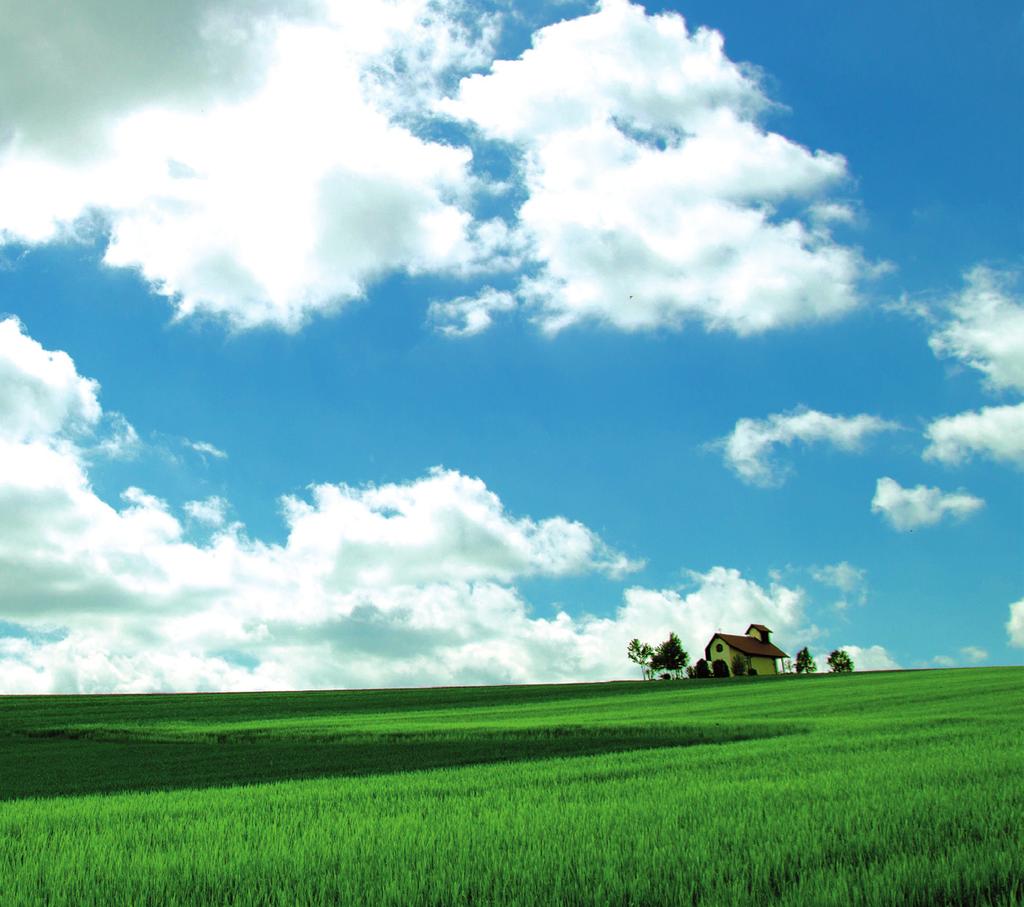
(747,645)
(760,627)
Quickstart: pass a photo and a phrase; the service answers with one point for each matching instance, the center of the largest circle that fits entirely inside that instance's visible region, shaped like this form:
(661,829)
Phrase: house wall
(725,654)
(763,664)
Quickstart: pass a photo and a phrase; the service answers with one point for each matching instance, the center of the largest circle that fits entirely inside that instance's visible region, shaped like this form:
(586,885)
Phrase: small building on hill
(755,646)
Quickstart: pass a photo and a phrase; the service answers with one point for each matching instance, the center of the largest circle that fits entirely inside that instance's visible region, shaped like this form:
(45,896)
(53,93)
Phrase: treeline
(670,661)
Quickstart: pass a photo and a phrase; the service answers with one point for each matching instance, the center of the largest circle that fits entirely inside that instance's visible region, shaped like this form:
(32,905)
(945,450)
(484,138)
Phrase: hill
(899,787)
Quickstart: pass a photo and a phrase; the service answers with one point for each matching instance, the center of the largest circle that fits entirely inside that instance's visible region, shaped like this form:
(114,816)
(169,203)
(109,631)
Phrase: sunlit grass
(873,789)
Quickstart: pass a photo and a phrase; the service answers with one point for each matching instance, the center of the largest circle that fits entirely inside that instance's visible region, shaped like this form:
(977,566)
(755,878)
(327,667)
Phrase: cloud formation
(469,315)
(266,162)
(849,580)
(995,432)
(263,170)
(984,328)
(865,658)
(748,449)
(911,508)
(653,193)
(1015,625)
(402,583)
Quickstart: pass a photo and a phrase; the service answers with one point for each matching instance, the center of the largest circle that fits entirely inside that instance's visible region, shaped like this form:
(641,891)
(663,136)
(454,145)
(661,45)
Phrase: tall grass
(871,789)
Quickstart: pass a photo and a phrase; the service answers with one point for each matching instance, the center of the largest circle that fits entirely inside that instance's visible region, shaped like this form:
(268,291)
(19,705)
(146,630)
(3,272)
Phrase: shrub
(702,668)
(720,668)
(840,662)
(752,672)
(738,663)
(804,662)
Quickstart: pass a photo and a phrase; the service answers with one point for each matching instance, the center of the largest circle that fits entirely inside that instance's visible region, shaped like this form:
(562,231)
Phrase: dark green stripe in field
(81,762)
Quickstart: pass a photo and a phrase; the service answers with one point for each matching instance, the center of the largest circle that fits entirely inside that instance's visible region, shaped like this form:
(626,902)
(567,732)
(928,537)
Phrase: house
(755,646)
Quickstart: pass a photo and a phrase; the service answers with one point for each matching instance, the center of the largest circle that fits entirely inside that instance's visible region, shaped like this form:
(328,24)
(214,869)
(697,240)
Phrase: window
(718,648)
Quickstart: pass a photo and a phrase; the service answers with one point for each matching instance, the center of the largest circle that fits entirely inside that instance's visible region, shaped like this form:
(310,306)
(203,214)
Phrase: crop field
(887,788)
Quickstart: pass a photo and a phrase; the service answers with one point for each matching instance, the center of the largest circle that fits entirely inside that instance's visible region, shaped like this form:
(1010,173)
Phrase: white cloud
(40,391)
(922,505)
(207,449)
(944,661)
(985,328)
(468,315)
(996,432)
(849,580)
(253,161)
(869,658)
(398,583)
(749,447)
(1015,625)
(122,441)
(211,511)
(653,194)
(974,653)
(264,162)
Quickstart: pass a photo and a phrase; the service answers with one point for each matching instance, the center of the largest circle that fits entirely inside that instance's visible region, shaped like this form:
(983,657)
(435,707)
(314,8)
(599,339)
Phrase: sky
(425,342)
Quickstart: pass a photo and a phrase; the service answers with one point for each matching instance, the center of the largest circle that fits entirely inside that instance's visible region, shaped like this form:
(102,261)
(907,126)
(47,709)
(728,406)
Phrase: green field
(888,788)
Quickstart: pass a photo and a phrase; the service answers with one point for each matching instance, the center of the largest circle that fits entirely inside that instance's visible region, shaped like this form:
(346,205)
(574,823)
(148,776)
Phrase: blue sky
(393,352)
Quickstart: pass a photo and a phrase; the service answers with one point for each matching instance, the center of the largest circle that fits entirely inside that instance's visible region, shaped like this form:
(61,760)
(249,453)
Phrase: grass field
(894,788)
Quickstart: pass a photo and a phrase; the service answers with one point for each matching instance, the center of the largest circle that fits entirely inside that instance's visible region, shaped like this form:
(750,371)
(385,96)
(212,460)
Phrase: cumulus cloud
(253,161)
(748,449)
(401,583)
(995,432)
(40,391)
(1015,625)
(974,654)
(984,328)
(267,161)
(211,511)
(654,196)
(922,505)
(468,315)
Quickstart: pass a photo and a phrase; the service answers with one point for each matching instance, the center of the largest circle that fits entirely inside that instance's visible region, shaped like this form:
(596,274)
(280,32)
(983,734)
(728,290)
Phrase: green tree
(640,653)
(839,662)
(805,662)
(738,663)
(670,656)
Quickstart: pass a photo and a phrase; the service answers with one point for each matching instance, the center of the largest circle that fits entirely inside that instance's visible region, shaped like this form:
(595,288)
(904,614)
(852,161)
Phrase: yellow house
(755,647)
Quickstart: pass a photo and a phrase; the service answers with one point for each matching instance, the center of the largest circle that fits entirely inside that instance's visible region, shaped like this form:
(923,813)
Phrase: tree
(804,662)
(839,662)
(640,653)
(670,656)
(702,668)
(738,664)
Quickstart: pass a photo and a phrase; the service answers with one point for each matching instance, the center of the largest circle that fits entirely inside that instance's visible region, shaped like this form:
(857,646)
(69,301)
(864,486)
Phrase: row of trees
(670,661)
(838,661)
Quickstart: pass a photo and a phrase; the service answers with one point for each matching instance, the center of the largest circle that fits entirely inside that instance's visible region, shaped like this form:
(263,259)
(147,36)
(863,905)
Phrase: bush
(752,672)
(720,668)
(738,664)
(804,662)
(702,668)
(840,662)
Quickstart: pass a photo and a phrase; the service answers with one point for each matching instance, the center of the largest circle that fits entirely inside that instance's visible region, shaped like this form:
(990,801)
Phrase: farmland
(859,789)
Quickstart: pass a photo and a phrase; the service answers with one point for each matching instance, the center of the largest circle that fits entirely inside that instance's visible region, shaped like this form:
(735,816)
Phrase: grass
(897,788)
